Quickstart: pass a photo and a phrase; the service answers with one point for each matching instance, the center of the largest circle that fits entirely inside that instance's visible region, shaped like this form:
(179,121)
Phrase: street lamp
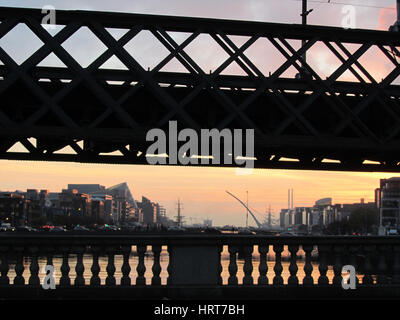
(304,14)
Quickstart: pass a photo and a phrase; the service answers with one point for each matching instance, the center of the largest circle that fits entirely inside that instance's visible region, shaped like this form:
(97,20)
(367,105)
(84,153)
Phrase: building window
(389,213)
(390,204)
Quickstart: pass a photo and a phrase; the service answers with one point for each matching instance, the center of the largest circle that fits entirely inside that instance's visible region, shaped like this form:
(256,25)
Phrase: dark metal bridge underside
(307,122)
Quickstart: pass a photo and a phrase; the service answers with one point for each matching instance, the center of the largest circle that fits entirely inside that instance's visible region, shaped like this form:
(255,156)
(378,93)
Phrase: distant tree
(363,219)
(61,220)
(38,221)
(69,221)
(338,228)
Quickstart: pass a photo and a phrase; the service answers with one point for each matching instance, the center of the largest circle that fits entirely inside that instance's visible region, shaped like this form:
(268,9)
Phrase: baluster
(4,267)
(110,280)
(34,267)
(396,264)
(169,268)
(220,248)
(95,280)
(293,280)
(308,268)
(232,280)
(79,268)
(248,265)
(19,267)
(141,268)
(337,268)
(353,259)
(156,280)
(126,268)
(367,279)
(278,280)
(263,267)
(323,265)
(49,255)
(382,266)
(65,280)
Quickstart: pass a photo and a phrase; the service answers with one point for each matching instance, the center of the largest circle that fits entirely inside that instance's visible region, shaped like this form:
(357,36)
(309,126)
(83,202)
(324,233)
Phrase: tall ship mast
(179,217)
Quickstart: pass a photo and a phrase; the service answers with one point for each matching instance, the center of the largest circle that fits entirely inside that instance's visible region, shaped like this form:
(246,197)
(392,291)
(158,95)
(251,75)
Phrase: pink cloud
(387,17)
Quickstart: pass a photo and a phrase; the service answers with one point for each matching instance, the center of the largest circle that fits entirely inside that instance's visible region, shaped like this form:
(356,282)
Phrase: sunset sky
(202,190)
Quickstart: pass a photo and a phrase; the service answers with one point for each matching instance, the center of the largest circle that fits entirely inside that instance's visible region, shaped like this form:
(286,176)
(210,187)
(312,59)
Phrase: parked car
(81,229)
(211,231)
(58,229)
(176,229)
(286,234)
(132,226)
(46,228)
(25,229)
(245,231)
(6,227)
(109,227)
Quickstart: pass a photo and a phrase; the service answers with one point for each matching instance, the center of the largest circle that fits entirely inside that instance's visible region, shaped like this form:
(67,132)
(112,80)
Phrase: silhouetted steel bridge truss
(102,115)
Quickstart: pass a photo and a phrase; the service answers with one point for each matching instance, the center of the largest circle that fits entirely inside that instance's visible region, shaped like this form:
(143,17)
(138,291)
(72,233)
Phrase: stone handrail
(195,260)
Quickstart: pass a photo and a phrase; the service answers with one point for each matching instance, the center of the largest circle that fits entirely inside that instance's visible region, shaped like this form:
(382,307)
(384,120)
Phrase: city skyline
(208,199)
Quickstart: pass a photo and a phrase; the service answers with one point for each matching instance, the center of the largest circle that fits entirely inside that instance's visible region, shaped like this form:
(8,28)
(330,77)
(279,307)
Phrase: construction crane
(259,225)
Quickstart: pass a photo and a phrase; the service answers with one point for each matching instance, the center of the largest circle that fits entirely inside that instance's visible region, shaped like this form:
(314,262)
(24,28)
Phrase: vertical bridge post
(193,265)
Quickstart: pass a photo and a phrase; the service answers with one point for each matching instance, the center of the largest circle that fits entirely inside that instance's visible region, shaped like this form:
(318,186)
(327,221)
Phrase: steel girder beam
(309,119)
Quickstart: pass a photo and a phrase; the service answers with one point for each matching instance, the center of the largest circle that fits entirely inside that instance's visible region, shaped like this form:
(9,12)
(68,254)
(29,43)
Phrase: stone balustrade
(195,265)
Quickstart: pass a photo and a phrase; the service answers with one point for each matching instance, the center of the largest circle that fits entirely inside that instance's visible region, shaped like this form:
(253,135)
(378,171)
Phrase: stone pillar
(194,265)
